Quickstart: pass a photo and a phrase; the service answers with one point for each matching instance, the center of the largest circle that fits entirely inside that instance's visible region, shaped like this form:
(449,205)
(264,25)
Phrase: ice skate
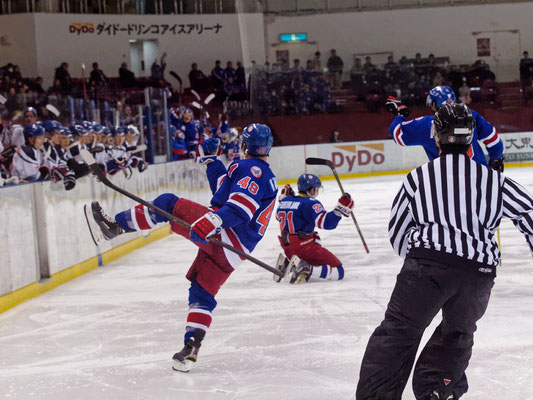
(442,396)
(184,359)
(107,225)
(298,271)
(281,265)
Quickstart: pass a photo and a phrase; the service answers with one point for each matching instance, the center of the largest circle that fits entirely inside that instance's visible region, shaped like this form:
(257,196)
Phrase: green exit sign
(293,37)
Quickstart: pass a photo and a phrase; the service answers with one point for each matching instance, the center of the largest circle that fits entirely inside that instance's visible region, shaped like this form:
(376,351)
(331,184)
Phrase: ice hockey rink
(110,334)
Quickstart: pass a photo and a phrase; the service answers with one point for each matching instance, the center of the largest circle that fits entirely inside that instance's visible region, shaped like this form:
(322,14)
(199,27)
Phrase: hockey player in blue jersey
(243,199)
(299,215)
(417,132)
(186,125)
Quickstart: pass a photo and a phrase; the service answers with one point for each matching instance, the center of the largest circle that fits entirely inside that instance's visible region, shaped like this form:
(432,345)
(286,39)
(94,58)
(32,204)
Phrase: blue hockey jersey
(244,197)
(302,214)
(417,132)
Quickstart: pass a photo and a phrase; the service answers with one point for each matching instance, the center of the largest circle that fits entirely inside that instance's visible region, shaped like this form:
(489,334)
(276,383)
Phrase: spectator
(55,89)
(356,76)
(157,72)
(335,66)
(217,75)
(390,64)
(296,67)
(64,78)
(197,78)
(316,64)
(127,117)
(335,137)
(368,66)
(97,77)
(229,72)
(431,60)
(524,67)
(240,77)
(464,93)
(126,77)
(417,62)
(438,79)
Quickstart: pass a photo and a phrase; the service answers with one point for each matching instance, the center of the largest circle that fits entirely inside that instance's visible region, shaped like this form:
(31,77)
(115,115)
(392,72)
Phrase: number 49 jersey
(244,195)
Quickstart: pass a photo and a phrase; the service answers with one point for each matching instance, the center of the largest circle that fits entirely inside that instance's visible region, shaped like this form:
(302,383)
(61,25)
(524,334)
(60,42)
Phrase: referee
(443,221)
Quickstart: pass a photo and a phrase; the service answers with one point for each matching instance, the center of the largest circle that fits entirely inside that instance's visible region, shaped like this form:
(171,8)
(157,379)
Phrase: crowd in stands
(229,82)
(284,89)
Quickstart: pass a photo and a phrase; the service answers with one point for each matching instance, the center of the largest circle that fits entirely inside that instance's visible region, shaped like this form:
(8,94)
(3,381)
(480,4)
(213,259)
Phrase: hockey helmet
(258,139)
(51,126)
(88,125)
(98,128)
(78,130)
(453,124)
(119,130)
(307,182)
(440,95)
(33,130)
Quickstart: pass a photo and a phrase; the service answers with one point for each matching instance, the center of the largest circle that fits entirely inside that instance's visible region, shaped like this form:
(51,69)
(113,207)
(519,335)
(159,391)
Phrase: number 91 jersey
(244,195)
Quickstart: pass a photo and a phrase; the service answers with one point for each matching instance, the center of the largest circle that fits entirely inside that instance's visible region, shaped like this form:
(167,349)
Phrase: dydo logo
(81,27)
(361,154)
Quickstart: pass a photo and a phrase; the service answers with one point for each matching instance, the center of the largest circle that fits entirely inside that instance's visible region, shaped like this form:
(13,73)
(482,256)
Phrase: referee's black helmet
(454,124)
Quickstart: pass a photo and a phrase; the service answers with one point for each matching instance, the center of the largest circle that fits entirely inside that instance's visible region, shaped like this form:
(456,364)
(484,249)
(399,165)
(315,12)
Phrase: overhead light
(133,40)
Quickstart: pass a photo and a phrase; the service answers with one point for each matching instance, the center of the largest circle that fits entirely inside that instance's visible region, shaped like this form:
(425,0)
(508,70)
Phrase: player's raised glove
(395,106)
(345,206)
(286,191)
(498,164)
(208,225)
(208,150)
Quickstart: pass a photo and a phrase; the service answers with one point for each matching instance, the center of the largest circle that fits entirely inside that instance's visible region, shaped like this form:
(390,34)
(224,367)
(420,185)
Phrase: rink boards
(45,240)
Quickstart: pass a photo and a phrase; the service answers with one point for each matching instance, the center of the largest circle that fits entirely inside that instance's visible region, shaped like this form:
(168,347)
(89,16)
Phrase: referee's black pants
(423,288)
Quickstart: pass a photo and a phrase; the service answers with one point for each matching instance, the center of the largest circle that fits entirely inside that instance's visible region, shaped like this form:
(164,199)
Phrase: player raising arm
(417,132)
(241,206)
(298,216)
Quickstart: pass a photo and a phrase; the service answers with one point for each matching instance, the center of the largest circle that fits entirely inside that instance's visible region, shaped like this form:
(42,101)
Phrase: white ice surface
(110,334)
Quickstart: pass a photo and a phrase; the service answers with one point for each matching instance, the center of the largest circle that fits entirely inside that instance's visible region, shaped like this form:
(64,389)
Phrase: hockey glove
(395,106)
(345,206)
(498,164)
(208,225)
(286,191)
(44,172)
(208,150)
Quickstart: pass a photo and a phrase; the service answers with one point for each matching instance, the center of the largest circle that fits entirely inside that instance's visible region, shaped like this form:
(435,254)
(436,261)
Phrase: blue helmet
(78,130)
(307,182)
(440,95)
(258,139)
(107,131)
(98,128)
(65,132)
(88,125)
(119,130)
(51,126)
(33,130)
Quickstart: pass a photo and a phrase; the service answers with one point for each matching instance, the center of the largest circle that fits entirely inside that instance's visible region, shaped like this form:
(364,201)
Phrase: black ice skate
(281,265)
(100,225)
(440,396)
(298,271)
(189,354)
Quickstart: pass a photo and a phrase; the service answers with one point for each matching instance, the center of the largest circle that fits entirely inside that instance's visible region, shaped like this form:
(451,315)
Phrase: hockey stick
(209,98)
(93,166)
(195,94)
(322,161)
(52,109)
(2,99)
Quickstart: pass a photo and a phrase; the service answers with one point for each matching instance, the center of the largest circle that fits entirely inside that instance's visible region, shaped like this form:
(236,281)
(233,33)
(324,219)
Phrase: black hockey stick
(93,166)
(323,161)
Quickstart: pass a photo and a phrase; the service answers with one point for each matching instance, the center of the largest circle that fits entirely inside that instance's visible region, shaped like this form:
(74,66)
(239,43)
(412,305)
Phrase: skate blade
(94,230)
(182,366)
(293,264)
(283,266)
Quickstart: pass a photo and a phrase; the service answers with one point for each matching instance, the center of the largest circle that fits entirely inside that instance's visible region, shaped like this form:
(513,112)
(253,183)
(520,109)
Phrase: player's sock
(328,273)
(198,318)
(140,217)
(441,396)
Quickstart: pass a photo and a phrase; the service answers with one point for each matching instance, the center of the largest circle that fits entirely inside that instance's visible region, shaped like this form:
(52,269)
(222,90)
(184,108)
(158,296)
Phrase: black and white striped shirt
(450,209)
